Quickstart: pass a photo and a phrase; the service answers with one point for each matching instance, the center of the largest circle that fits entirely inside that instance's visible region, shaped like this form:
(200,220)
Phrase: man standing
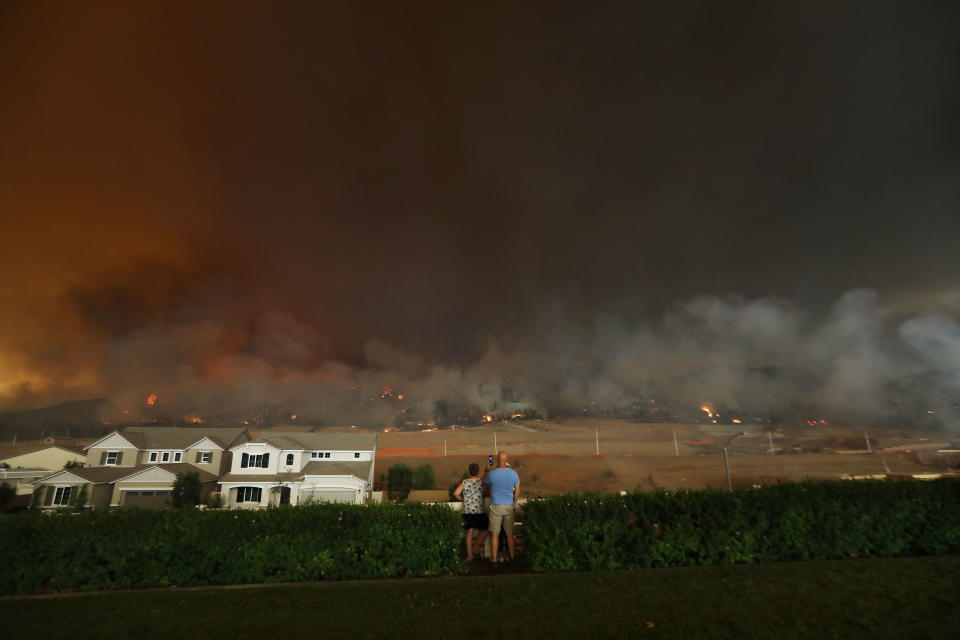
(504,491)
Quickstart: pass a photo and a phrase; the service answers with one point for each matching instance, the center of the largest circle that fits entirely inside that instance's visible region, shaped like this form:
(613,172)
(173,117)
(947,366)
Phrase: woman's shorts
(475,521)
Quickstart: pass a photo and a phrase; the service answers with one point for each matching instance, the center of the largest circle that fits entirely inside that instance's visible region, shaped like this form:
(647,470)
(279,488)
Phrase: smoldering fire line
(747,361)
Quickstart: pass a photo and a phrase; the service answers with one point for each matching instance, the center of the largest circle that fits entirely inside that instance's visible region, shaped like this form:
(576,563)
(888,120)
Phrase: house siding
(129,459)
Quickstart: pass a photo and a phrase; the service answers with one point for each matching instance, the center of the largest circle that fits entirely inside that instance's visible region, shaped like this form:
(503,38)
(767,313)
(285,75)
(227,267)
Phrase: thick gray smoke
(757,358)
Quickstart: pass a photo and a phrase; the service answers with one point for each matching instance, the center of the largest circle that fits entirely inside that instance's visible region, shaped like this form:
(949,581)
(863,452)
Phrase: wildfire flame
(736,421)
(707,409)
(151,399)
(487,417)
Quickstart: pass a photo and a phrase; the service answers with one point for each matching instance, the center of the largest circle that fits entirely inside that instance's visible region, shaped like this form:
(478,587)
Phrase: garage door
(327,496)
(151,499)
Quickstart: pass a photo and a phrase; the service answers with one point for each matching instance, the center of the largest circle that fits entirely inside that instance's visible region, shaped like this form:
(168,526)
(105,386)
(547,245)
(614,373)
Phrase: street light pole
(726,459)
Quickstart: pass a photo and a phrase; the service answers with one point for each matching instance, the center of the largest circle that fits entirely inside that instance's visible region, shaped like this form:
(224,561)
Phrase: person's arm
(458,490)
(516,493)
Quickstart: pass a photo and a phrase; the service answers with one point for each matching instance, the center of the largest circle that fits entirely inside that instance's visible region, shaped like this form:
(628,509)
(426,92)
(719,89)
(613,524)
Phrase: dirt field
(557,457)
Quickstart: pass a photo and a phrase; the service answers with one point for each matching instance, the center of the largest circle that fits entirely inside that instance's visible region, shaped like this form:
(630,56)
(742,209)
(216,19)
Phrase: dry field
(557,457)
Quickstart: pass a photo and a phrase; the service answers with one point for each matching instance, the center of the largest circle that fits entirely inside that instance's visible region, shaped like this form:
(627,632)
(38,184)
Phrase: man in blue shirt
(504,490)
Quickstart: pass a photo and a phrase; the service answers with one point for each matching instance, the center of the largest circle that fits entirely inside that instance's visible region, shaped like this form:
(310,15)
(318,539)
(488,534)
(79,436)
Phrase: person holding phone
(504,486)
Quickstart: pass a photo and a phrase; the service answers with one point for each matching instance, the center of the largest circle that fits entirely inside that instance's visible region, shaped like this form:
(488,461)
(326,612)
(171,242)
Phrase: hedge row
(790,521)
(134,548)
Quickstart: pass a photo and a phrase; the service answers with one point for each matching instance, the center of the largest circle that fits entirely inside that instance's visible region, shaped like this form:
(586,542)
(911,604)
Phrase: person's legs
(508,530)
(496,519)
(478,545)
(469,536)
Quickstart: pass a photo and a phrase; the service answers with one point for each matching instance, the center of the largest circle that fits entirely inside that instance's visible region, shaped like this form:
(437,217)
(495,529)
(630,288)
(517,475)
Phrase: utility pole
(596,431)
(770,438)
(444,447)
(726,465)
(14,440)
(676,447)
(867,438)
(726,459)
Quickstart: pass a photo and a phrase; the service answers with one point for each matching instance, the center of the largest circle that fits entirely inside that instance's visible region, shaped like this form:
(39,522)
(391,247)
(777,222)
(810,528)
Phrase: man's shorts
(501,514)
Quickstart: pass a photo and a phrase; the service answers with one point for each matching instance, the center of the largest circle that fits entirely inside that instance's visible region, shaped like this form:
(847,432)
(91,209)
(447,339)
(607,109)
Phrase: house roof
(181,437)
(301,441)
(78,452)
(94,475)
(359,469)
(176,468)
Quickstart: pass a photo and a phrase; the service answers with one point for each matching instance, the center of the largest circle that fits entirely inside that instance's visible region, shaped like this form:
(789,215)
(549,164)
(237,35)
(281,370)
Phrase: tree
(78,499)
(399,482)
(423,477)
(186,490)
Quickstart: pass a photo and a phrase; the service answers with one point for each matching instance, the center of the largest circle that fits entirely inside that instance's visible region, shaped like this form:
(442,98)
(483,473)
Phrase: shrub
(790,521)
(399,482)
(423,477)
(137,548)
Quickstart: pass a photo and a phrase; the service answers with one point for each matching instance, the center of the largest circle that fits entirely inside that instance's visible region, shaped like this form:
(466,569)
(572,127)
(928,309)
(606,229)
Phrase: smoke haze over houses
(233,206)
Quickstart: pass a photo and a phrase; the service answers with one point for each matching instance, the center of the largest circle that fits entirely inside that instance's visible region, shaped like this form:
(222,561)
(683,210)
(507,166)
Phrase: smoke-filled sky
(259,202)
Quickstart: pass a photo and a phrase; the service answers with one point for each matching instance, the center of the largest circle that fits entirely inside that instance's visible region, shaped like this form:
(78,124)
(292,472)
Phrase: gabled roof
(183,437)
(303,441)
(132,441)
(93,475)
(171,469)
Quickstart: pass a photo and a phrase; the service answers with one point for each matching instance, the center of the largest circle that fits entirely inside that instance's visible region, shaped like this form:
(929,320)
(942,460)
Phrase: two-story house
(296,468)
(137,466)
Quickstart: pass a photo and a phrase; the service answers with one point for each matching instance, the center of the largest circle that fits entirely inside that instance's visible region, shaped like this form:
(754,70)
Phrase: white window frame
(61,496)
(153,456)
(177,456)
(289,460)
(245,494)
(206,457)
(114,455)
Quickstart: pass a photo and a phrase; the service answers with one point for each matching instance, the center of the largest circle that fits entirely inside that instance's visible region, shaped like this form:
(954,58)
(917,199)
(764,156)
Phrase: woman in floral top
(470,491)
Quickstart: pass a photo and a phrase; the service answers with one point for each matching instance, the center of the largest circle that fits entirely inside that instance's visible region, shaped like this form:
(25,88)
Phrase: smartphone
(490,461)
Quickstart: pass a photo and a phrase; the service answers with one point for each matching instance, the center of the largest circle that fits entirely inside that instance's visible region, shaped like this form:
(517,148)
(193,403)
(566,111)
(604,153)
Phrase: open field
(888,598)
(557,457)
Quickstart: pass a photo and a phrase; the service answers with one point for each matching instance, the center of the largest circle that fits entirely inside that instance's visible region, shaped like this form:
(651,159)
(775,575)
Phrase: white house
(297,467)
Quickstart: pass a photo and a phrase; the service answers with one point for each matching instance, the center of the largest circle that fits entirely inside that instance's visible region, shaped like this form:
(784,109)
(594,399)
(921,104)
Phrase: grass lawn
(888,598)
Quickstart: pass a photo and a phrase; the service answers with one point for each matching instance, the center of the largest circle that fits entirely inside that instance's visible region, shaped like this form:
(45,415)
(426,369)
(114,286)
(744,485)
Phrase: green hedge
(790,521)
(134,548)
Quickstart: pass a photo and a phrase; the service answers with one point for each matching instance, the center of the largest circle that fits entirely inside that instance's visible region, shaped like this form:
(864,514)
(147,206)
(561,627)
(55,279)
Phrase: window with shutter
(103,457)
(243,461)
(119,458)
(266,461)
(198,457)
(289,459)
